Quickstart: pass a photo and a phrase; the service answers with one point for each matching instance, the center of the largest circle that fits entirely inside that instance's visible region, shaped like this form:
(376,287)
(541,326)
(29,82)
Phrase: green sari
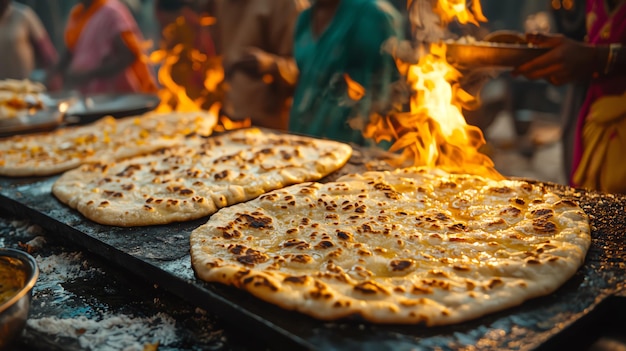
(351,44)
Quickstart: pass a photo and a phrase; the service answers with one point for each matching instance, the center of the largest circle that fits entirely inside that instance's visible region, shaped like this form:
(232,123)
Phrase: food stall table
(147,270)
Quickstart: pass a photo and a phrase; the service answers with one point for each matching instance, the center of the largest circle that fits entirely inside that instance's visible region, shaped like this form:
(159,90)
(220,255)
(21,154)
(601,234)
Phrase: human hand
(53,81)
(75,79)
(256,62)
(567,61)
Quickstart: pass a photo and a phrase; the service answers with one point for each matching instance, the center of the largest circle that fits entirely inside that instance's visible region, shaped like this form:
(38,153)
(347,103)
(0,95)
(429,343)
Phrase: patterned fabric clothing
(89,36)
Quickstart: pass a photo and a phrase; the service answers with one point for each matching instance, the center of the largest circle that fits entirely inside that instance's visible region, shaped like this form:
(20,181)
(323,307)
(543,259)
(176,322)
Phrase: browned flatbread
(105,140)
(409,246)
(197,179)
(19,98)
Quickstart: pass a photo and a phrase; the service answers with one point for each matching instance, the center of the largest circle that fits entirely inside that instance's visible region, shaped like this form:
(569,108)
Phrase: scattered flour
(115,332)
(108,331)
(57,269)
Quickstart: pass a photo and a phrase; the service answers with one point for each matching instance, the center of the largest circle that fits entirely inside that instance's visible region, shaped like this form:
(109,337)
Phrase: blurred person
(256,44)
(600,138)
(24,43)
(570,18)
(104,51)
(337,40)
(518,97)
(53,14)
(184,35)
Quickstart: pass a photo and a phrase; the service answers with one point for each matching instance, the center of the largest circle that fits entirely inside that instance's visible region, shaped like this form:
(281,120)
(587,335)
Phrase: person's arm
(571,60)
(45,53)
(258,63)
(369,64)
(62,64)
(281,35)
(279,63)
(53,79)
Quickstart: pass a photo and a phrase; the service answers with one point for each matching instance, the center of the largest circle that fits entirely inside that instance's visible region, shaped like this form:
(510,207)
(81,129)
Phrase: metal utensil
(14,312)
(506,37)
(37,121)
(505,49)
(93,107)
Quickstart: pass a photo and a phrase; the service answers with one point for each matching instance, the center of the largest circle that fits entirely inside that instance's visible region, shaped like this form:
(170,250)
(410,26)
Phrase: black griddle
(571,318)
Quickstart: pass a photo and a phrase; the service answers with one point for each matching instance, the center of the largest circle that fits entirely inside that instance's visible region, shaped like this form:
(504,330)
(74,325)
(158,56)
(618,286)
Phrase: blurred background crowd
(287,65)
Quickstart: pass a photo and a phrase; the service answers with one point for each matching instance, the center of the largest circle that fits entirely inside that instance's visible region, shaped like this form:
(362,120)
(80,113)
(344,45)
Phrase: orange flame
(176,96)
(449,10)
(434,132)
(355,90)
(173,96)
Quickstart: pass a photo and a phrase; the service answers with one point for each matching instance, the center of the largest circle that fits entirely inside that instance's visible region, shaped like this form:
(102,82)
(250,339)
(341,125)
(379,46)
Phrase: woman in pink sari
(104,52)
(600,143)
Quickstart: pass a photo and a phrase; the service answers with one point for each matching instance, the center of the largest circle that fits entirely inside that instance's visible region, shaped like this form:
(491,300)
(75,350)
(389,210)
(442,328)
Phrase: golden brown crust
(410,246)
(195,180)
(105,140)
(19,98)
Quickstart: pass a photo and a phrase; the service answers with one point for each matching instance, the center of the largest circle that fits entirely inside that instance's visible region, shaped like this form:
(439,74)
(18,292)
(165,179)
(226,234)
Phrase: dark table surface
(83,301)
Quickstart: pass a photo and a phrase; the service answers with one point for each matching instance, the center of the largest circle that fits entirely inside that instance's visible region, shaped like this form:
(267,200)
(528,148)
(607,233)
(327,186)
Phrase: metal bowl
(490,54)
(14,312)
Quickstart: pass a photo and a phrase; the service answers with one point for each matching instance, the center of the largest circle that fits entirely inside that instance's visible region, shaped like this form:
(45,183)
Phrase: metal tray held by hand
(497,49)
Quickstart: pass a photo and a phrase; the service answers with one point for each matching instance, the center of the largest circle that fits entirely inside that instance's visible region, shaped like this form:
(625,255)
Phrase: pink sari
(92,44)
(603,28)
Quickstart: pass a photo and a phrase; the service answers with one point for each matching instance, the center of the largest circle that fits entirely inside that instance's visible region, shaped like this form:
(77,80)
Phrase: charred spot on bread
(252,257)
(298,280)
(343,235)
(255,220)
(259,281)
(324,244)
(543,225)
(370,288)
(511,211)
(400,265)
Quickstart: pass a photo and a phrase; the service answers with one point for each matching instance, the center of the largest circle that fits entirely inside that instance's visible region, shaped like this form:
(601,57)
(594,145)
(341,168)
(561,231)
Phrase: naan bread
(18,98)
(21,86)
(409,246)
(105,140)
(195,180)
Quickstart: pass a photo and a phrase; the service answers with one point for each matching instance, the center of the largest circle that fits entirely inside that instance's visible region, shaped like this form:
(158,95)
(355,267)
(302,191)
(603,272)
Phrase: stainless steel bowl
(488,54)
(14,312)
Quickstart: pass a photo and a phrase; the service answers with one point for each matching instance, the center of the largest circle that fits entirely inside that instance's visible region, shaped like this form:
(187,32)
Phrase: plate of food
(497,49)
(25,107)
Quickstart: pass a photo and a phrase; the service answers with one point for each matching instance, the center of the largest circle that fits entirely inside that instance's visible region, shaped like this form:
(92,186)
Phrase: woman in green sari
(337,41)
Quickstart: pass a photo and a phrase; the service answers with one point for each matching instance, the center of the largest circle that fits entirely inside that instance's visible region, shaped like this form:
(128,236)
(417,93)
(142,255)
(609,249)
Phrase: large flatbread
(19,98)
(409,246)
(197,179)
(105,140)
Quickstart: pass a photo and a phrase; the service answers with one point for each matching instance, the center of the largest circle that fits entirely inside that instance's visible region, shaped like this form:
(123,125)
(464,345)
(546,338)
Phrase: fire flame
(434,132)
(355,90)
(449,10)
(175,96)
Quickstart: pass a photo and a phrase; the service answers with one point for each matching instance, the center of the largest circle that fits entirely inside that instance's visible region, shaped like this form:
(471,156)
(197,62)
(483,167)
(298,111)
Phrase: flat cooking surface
(160,254)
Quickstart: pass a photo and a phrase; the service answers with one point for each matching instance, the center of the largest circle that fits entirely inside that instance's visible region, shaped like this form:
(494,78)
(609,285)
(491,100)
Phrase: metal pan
(490,54)
(30,122)
(89,108)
